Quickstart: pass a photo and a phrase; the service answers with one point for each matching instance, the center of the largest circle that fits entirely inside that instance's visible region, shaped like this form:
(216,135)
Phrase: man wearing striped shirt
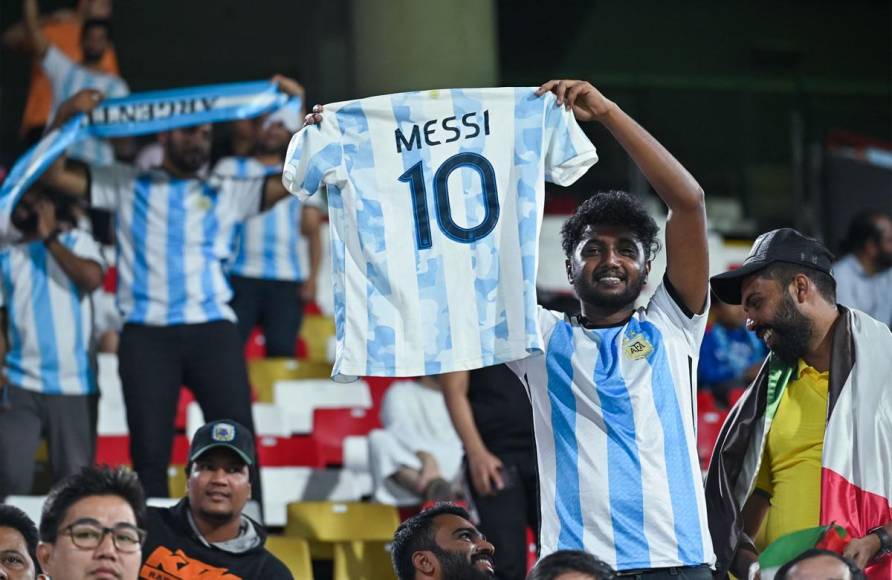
(68,77)
(270,287)
(173,231)
(613,393)
(49,385)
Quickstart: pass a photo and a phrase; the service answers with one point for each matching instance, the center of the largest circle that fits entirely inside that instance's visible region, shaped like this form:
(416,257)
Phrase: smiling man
(441,543)
(206,534)
(809,442)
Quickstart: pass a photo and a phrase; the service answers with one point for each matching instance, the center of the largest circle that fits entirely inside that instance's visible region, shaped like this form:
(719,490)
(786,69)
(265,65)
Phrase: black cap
(782,245)
(223,433)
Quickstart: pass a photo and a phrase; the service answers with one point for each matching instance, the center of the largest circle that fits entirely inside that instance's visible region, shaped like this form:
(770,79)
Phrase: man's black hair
(13,517)
(784,272)
(863,229)
(784,571)
(88,482)
(612,208)
(97,23)
(417,533)
(563,561)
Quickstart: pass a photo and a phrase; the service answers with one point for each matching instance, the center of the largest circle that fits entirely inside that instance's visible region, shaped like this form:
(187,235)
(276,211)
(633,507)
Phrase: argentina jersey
(613,413)
(435,203)
(265,246)
(67,78)
(50,320)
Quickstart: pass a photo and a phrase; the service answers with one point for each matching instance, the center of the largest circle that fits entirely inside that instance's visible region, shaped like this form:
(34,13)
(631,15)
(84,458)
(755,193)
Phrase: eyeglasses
(88,536)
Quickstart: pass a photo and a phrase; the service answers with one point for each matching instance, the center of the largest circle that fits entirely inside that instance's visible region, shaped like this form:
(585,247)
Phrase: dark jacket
(173,551)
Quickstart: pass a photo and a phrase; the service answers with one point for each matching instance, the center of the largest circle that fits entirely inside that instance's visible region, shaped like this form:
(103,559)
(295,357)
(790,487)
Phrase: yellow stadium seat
(325,523)
(315,332)
(362,561)
(264,372)
(176,480)
(294,553)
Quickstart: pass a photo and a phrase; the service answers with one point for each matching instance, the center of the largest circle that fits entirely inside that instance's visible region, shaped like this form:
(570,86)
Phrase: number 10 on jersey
(414,176)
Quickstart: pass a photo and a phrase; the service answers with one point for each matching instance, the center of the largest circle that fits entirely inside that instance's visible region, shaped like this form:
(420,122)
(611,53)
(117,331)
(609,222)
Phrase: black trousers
(275,305)
(505,516)
(154,362)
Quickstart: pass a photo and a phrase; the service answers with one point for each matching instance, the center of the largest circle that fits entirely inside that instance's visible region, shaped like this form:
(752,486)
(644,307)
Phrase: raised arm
(31,16)
(310,223)
(86,274)
(274,191)
(687,254)
(65,177)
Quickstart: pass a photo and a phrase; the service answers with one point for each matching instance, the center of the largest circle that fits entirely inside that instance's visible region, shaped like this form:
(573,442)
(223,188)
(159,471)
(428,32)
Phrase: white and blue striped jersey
(435,199)
(614,419)
(266,246)
(50,321)
(173,236)
(67,78)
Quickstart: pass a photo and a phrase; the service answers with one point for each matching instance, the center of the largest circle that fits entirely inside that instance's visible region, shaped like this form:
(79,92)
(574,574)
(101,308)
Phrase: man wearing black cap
(810,442)
(206,534)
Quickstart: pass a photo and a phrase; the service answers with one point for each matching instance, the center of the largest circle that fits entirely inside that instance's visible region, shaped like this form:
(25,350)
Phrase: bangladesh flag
(831,537)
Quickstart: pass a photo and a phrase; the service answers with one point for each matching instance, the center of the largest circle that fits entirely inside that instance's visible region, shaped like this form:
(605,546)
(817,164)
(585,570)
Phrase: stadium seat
(314,334)
(705,402)
(255,347)
(285,485)
(182,404)
(299,399)
(294,553)
(331,426)
(735,394)
(325,523)
(115,450)
(112,418)
(269,420)
(176,480)
(362,561)
(709,424)
(296,450)
(264,373)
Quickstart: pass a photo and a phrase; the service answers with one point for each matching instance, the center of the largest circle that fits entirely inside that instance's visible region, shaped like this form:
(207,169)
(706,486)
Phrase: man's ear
(801,286)
(44,553)
(425,562)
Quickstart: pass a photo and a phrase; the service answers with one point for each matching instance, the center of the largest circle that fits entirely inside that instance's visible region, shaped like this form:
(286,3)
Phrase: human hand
(862,550)
(307,291)
(46,218)
(289,86)
(82,101)
(315,117)
(486,472)
(586,102)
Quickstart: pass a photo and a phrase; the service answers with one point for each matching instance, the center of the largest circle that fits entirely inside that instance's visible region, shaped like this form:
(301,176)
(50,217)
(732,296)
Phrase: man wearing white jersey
(49,379)
(269,284)
(613,394)
(173,231)
(68,77)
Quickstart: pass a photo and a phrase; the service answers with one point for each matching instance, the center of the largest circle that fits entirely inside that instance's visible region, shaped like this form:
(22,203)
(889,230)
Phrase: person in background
(92,526)
(864,274)
(441,543)
(817,564)
(67,76)
(491,413)
(18,544)
(417,455)
(63,28)
(571,565)
(730,355)
(46,281)
(208,527)
(270,286)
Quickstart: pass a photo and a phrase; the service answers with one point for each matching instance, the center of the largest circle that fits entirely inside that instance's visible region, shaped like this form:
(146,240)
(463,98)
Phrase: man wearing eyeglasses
(206,535)
(91,526)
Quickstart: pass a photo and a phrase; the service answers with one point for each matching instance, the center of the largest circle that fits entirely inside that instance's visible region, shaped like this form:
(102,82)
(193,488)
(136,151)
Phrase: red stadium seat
(185,398)
(709,424)
(378,387)
(331,426)
(256,345)
(705,402)
(115,450)
(294,451)
(735,394)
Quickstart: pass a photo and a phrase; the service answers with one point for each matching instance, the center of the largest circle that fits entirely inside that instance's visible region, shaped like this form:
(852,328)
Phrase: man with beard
(441,543)
(810,442)
(173,232)
(864,275)
(68,77)
(49,384)
(206,535)
(269,284)
(613,394)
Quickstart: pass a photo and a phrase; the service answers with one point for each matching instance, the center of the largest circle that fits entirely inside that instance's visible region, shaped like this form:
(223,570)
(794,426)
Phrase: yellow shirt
(791,465)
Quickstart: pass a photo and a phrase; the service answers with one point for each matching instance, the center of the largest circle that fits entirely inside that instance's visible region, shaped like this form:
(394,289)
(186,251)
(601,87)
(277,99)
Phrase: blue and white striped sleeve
(314,157)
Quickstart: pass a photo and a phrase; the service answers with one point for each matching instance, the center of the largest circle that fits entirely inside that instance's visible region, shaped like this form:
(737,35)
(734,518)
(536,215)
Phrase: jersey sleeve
(568,152)
(84,246)
(119,88)
(56,64)
(109,183)
(314,157)
(663,306)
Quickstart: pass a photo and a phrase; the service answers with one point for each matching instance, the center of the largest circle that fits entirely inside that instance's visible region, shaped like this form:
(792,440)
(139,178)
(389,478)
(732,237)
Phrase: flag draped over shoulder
(139,114)
(856,478)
